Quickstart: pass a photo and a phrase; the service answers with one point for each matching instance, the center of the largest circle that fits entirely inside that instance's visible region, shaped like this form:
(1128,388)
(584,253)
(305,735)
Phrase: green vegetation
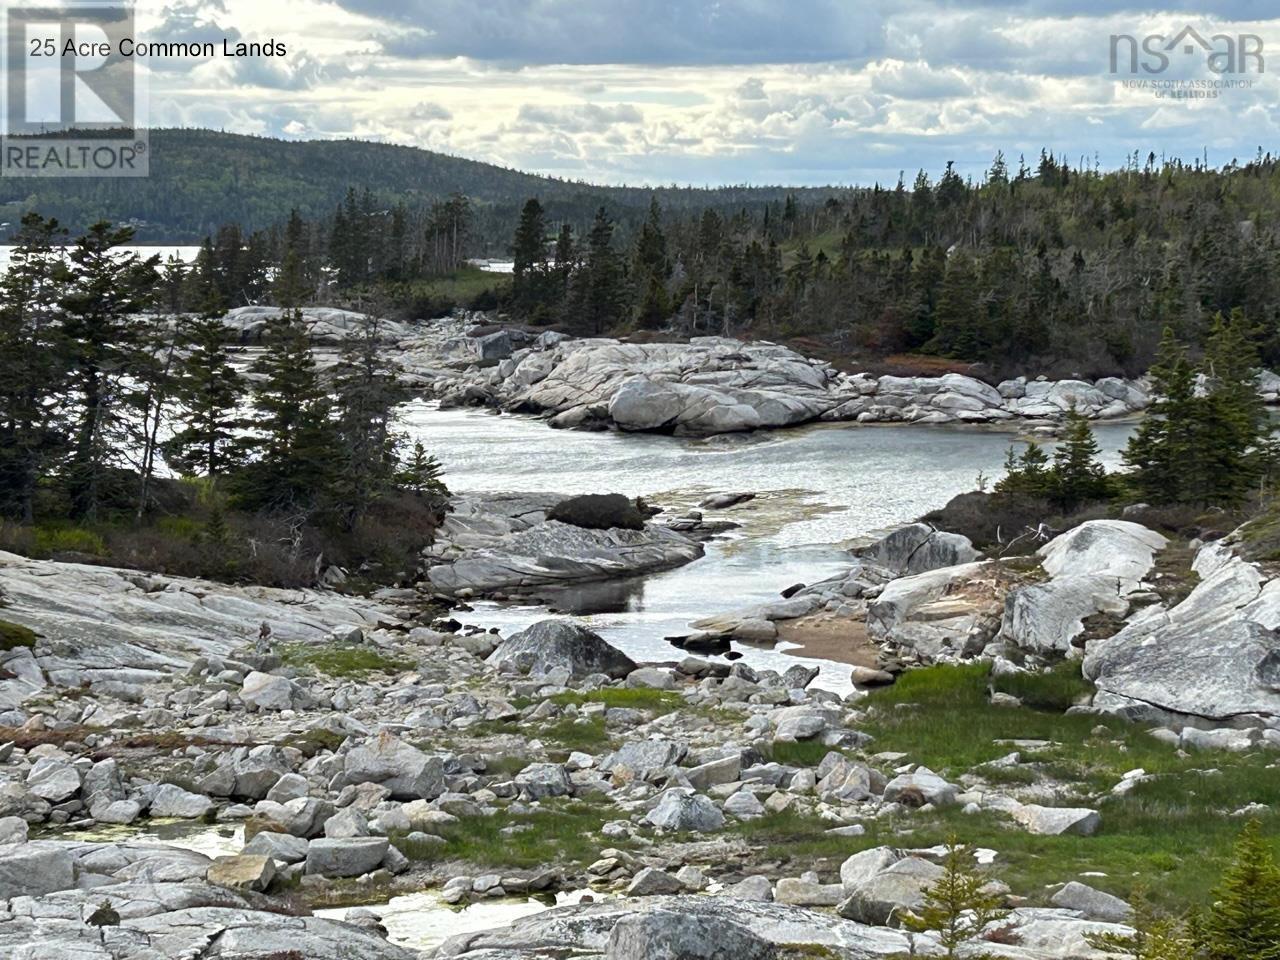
(561,833)
(1208,448)
(1244,921)
(637,698)
(1171,829)
(90,388)
(1056,688)
(800,753)
(342,660)
(959,905)
(14,635)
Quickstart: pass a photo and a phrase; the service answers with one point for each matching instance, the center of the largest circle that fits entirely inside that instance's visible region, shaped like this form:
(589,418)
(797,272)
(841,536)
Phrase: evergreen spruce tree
(208,393)
(366,392)
(1244,921)
(1077,476)
(1026,474)
(958,906)
(1161,449)
(598,293)
(423,474)
(296,452)
(107,353)
(957,319)
(1232,424)
(32,364)
(528,251)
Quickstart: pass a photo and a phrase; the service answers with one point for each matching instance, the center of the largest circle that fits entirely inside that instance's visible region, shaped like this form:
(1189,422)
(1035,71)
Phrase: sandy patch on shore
(826,637)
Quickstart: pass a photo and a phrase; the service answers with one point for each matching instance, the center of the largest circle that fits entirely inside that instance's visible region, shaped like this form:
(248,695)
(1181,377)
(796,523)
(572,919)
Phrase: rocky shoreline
(363,744)
(714,385)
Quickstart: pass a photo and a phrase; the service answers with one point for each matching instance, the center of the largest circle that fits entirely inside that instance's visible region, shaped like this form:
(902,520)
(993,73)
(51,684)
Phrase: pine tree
(1026,475)
(1077,477)
(208,393)
(958,905)
(107,349)
(423,474)
(295,442)
(528,251)
(1232,423)
(598,294)
(957,319)
(366,392)
(1161,448)
(1244,921)
(32,364)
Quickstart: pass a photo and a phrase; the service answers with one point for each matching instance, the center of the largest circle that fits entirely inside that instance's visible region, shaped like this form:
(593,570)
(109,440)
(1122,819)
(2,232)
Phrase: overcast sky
(719,91)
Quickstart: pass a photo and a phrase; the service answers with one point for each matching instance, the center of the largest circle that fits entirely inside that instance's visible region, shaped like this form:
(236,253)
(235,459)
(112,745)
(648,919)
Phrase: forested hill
(201,179)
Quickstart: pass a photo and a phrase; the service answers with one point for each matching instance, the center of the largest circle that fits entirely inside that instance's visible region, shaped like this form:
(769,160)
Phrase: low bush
(598,511)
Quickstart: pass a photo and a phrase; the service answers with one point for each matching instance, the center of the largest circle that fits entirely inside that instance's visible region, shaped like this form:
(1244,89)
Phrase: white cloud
(742,91)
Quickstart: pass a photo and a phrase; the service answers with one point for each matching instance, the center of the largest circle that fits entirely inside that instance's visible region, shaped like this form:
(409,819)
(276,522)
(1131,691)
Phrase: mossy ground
(14,635)
(342,660)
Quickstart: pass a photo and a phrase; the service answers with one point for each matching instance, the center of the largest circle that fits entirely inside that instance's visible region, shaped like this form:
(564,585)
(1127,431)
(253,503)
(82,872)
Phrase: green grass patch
(801,753)
(1059,687)
(639,698)
(1173,833)
(565,735)
(342,660)
(14,635)
(564,833)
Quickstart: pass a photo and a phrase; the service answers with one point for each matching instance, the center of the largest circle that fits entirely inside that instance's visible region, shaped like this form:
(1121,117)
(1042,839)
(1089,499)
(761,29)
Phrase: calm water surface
(817,487)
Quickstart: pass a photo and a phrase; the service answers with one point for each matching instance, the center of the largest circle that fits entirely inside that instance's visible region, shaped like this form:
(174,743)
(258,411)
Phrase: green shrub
(49,540)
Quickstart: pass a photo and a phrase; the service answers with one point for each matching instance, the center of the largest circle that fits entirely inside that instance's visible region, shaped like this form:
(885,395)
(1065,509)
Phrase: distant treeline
(1039,266)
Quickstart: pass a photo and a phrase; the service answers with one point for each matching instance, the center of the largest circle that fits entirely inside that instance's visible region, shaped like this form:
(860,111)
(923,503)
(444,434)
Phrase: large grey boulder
(644,759)
(264,691)
(917,548)
(682,811)
(53,779)
(538,781)
(1213,657)
(919,787)
(345,856)
(102,625)
(170,800)
(948,613)
(668,935)
(899,888)
(1091,903)
(403,769)
(552,644)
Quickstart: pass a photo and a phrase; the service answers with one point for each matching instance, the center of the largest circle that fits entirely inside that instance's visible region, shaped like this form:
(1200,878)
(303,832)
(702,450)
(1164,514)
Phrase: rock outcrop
(1213,658)
(1093,568)
(506,542)
(714,385)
